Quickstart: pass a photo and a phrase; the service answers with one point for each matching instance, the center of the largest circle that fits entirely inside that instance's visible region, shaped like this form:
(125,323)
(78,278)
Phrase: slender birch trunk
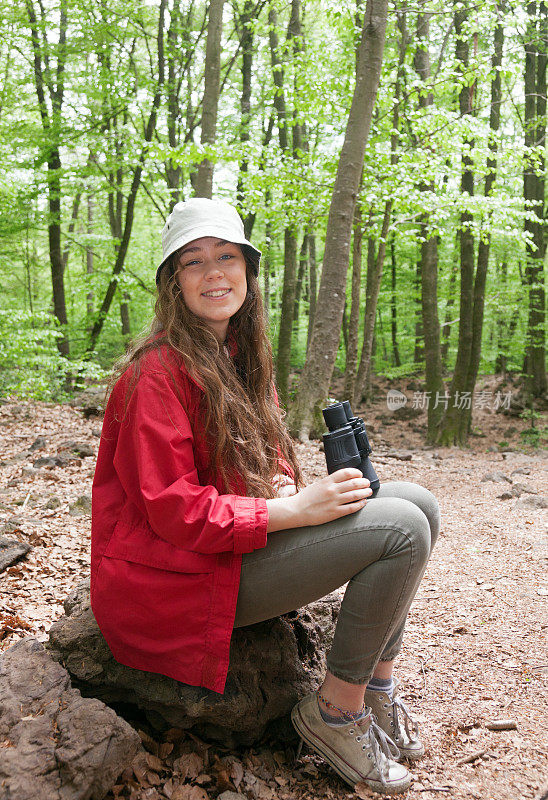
(204,177)
(305,414)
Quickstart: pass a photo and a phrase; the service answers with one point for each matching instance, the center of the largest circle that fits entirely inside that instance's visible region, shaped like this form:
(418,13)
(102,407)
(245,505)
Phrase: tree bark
(283,359)
(305,414)
(312,274)
(454,426)
(394,303)
(363,377)
(246,46)
(484,243)
(505,325)
(89,255)
(354,322)
(533,194)
(174,172)
(374,277)
(447,323)
(204,177)
(133,190)
(71,227)
(428,263)
(51,126)
(303,263)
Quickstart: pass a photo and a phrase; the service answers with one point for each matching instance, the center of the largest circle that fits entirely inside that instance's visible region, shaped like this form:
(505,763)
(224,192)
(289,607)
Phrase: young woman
(201,522)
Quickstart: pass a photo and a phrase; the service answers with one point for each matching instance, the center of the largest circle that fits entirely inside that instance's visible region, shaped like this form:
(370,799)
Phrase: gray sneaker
(393,717)
(357,751)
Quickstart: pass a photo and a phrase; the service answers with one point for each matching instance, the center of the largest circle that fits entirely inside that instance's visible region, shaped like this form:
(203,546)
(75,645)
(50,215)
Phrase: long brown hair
(244,426)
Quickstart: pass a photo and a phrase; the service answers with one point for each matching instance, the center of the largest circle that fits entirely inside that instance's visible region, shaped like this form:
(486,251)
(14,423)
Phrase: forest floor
(475,649)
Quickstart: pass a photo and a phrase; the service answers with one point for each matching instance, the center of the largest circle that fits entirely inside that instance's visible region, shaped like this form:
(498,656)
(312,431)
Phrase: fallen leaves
(472,630)
(12,623)
(189,765)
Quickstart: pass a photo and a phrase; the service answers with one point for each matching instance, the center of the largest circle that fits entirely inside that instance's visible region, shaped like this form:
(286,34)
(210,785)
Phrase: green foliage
(110,78)
(30,364)
(535,435)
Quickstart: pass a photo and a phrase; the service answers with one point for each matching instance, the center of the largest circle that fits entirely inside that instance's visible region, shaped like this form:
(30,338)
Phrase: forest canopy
(112,112)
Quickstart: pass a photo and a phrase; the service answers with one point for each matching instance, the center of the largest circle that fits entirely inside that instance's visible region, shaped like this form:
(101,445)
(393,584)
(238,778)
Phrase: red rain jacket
(166,545)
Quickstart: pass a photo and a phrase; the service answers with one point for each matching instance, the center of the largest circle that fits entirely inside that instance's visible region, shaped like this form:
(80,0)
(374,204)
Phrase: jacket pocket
(141,545)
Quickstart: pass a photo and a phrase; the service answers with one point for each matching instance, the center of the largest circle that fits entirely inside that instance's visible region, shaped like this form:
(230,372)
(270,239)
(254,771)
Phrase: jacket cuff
(250,523)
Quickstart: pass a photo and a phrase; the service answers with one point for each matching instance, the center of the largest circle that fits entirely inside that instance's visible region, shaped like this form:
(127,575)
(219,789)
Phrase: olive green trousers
(381,551)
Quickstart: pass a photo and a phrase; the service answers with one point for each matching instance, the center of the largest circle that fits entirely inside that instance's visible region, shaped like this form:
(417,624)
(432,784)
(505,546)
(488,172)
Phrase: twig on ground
(501,725)
(26,500)
(421,659)
(506,603)
(472,757)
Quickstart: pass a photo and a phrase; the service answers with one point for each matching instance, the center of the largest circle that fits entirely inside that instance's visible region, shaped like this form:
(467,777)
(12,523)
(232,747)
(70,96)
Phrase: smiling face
(211,274)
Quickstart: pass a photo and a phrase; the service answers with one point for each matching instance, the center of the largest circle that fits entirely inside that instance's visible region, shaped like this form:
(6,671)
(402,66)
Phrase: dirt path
(475,648)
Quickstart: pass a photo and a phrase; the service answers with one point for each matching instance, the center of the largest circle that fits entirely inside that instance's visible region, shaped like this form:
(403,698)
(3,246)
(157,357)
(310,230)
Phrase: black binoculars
(346,444)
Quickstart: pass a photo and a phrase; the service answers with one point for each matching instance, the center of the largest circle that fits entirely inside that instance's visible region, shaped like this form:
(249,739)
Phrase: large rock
(54,743)
(11,550)
(272,665)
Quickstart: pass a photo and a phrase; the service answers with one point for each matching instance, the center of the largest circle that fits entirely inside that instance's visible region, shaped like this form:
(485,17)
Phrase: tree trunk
(446,328)
(453,429)
(174,172)
(249,219)
(533,194)
(363,378)
(52,127)
(374,277)
(133,190)
(505,325)
(212,77)
(312,271)
(484,243)
(354,322)
(265,264)
(394,304)
(305,415)
(55,249)
(283,360)
(428,263)
(246,46)
(303,262)
(89,255)
(124,315)
(418,352)
(71,227)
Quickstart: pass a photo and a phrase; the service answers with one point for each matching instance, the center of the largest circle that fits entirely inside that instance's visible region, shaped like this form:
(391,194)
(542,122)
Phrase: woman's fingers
(354,485)
(349,478)
(343,492)
(351,508)
(350,484)
(356,496)
(346,474)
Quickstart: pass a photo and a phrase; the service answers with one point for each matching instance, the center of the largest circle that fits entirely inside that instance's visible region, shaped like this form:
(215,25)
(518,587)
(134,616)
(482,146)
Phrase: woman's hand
(341,493)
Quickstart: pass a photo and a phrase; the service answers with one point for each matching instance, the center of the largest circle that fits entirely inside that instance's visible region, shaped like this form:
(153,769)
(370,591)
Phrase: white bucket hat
(200,217)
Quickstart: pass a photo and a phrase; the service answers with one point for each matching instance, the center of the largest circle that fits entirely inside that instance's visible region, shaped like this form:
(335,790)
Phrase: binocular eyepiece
(346,444)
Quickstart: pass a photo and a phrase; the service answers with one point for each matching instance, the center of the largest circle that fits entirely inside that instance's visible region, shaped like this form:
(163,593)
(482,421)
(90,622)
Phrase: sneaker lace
(401,714)
(383,750)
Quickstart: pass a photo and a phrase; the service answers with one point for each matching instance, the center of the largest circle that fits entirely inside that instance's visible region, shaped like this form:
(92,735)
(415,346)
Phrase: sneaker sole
(338,764)
(412,755)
